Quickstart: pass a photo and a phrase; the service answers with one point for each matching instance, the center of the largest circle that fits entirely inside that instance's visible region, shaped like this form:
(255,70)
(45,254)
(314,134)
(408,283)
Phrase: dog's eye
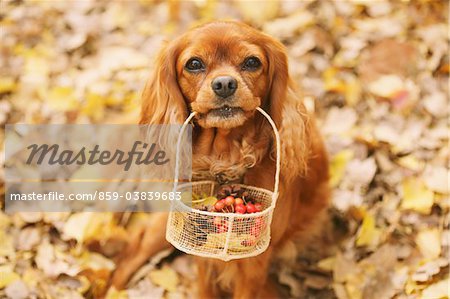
(194,65)
(251,63)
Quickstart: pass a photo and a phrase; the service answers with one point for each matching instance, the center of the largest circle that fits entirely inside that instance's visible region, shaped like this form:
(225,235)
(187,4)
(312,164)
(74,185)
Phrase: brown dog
(224,71)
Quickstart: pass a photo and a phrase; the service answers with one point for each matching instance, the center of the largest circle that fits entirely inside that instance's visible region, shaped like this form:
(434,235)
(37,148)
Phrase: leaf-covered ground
(375,73)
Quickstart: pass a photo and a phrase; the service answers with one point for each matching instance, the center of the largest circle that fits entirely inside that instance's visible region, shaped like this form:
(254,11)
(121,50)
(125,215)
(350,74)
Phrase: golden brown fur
(237,148)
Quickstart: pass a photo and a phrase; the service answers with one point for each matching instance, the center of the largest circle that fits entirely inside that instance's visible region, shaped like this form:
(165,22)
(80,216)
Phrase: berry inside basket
(223,222)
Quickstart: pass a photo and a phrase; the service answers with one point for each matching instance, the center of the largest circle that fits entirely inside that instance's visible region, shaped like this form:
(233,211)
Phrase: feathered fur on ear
(162,101)
(163,104)
(287,110)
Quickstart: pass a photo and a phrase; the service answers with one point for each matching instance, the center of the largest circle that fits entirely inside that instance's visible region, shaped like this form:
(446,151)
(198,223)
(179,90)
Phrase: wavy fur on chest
(230,162)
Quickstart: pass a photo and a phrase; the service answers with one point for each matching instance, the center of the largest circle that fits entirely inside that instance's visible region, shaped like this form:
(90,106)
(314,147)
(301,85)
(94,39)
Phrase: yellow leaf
(411,162)
(76,225)
(327,264)
(7,276)
(258,11)
(31,277)
(115,294)
(62,99)
(206,201)
(102,227)
(429,243)
(7,84)
(354,290)
(95,261)
(411,287)
(207,9)
(439,289)
(338,165)
(416,196)
(352,91)
(36,71)
(165,277)
(94,106)
(369,234)
(7,247)
(5,221)
(332,81)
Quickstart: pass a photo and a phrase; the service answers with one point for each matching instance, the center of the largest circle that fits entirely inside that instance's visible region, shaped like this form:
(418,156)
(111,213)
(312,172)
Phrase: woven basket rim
(214,183)
(233,215)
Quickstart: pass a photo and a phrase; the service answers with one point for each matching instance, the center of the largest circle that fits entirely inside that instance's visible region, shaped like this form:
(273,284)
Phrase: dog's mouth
(225,112)
(224,117)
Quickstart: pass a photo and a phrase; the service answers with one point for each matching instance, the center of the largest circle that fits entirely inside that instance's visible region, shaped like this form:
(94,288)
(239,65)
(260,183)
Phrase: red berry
(258,207)
(219,205)
(239,201)
(229,200)
(251,208)
(240,209)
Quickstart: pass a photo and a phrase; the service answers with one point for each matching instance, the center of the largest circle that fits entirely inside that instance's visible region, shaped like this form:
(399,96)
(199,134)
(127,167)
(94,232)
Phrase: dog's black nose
(224,86)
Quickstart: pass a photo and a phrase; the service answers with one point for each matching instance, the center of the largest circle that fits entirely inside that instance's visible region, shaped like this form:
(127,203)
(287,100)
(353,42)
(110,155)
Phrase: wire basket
(224,236)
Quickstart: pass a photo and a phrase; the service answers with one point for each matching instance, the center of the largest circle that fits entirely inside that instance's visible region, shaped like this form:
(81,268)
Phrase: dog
(223,71)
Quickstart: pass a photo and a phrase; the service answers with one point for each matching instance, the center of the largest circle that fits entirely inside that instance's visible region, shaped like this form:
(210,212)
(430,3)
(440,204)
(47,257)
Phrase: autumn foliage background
(374,72)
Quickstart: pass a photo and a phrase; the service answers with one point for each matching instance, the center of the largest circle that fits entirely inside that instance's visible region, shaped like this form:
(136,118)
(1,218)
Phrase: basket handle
(277,140)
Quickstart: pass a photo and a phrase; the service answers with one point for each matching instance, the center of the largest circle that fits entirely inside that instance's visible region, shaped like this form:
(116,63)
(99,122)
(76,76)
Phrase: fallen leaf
(436,103)
(353,91)
(429,243)
(258,11)
(287,278)
(339,121)
(338,165)
(7,248)
(416,196)
(411,162)
(361,172)
(286,27)
(345,199)
(28,238)
(30,217)
(339,290)
(7,276)
(327,264)
(17,290)
(368,234)
(115,294)
(94,106)
(386,57)
(95,261)
(437,290)
(344,268)
(7,84)
(388,86)
(332,81)
(53,262)
(76,225)
(62,98)
(429,269)
(165,277)
(437,179)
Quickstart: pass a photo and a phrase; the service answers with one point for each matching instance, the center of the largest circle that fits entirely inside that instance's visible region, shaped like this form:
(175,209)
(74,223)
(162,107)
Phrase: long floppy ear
(287,110)
(162,101)
(163,104)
